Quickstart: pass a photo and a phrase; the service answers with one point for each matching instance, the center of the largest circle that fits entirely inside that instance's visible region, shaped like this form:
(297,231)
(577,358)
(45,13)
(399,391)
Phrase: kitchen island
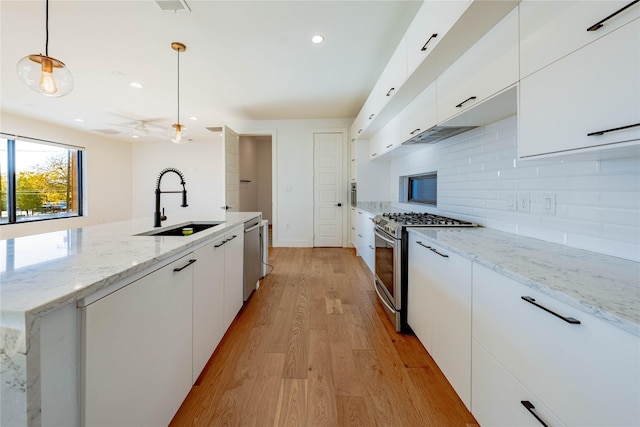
(43,275)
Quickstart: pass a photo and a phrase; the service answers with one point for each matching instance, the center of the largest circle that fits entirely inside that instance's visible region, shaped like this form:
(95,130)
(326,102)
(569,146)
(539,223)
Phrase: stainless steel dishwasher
(252,270)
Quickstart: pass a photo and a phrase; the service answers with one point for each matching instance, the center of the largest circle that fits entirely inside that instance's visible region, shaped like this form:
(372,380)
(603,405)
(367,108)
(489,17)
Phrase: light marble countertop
(44,272)
(600,285)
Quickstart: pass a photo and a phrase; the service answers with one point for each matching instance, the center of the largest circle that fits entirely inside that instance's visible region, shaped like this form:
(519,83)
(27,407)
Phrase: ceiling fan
(140,128)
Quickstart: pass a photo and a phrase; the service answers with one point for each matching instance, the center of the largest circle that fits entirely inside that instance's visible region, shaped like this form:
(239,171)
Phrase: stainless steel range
(392,255)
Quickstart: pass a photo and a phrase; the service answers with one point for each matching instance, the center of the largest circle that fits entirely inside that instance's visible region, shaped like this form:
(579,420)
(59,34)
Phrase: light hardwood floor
(313,347)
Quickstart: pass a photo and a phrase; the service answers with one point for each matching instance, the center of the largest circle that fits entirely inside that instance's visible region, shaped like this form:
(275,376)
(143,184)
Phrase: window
(421,189)
(39,180)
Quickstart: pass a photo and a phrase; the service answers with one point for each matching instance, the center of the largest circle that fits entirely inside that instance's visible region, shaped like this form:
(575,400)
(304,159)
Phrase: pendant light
(44,74)
(178,132)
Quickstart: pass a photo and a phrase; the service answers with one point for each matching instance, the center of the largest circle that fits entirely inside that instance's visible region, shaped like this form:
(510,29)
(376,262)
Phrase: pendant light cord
(46,45)
(178,84)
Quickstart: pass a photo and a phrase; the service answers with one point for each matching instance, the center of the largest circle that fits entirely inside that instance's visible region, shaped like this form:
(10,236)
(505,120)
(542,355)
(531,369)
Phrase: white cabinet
(392,77)
(488,67)
(499,400)
(420,114)
(587,374)
(365,240)
(386,139)
(353,234)
(428,28)
(208,303)
(550,30)
(137,350)
(594,89)
(439,309)
(233,275)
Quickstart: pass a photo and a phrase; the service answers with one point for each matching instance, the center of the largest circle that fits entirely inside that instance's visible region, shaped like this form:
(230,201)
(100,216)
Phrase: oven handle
(375,288)
(386,239)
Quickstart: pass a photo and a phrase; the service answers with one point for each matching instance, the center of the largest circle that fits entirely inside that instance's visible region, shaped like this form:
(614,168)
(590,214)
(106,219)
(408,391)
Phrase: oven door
(387,268)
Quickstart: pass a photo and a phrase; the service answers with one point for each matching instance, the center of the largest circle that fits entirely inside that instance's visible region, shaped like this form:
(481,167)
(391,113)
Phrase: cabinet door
(451,319)
(497,397)
(486,68)
(233,272)
(550,30)
(594,89)
(208,299)
(390,80)
(366,242)
(419,115)
(434,17)
(137,350)
(419,294)
(385,140)
(587,374)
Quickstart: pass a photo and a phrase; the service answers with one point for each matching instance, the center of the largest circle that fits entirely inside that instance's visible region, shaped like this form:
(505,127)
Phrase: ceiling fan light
(45,75)
(179,133)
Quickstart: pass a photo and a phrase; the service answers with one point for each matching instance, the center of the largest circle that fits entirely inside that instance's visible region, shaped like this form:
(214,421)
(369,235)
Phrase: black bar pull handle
(220,244)
(567,319)
(600,24)
(390,90)
(469,99)
(389,146)
(440,253)
(371,116)
(433,36)
(423,245)
(532,411)
(602,132)
(414,131)
(191,261)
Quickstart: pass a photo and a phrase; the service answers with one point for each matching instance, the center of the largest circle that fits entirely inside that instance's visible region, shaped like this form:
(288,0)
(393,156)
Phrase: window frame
(406,189)
(11,187)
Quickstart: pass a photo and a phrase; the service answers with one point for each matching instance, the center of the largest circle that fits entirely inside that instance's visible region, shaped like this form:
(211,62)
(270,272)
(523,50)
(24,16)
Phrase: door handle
(338,204)
(225,208)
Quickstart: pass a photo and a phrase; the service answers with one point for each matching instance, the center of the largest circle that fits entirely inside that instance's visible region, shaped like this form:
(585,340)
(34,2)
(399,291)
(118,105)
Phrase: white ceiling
(250,60)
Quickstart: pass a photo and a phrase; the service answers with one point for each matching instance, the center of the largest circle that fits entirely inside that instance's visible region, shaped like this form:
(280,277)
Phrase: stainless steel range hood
(437,133)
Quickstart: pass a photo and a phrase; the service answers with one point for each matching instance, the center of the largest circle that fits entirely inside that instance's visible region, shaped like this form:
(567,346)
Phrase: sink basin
(177,230)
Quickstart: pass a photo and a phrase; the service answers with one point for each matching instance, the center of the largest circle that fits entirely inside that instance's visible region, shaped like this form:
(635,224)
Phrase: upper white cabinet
(486,68)
(419,115)
(586,99)
(431,23)
(550,30)
(386,139)
(583,369)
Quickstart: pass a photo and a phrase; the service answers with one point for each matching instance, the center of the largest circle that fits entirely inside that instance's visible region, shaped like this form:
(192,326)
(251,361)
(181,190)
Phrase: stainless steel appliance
(252,255)
(392,257)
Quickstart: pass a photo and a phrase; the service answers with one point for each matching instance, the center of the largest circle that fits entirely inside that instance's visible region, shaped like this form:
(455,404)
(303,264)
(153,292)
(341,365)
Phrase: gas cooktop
(416,219)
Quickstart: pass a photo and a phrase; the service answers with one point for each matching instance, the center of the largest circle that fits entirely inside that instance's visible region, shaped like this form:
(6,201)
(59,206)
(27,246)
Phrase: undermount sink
(177,230)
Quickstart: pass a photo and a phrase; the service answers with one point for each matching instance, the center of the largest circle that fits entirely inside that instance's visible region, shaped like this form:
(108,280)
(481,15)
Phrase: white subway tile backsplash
(597,202)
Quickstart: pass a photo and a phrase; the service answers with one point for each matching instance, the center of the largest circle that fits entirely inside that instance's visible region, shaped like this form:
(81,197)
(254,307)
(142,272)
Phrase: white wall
(598,201)
(255,166)
(293,146)
(107,175)
(202,165)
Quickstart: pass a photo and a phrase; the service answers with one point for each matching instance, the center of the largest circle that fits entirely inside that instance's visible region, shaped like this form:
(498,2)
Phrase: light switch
(523,202)
(549,203)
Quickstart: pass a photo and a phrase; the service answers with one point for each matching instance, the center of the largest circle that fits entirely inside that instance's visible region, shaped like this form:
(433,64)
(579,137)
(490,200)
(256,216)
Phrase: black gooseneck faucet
(157,217)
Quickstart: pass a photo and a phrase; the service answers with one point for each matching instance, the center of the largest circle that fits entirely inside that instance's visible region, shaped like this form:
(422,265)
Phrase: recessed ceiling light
(78,120)
(318,38)
(135,136)
(193,118)
(137,85)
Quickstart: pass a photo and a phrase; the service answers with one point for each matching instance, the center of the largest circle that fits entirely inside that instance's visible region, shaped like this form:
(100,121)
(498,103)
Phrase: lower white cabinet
(439,309)
(137,350)
(499,400)
(587,373)
(233,275)
(365,240)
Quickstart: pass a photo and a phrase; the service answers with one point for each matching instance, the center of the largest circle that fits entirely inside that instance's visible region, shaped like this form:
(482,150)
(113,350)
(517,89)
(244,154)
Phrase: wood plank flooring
(313,347)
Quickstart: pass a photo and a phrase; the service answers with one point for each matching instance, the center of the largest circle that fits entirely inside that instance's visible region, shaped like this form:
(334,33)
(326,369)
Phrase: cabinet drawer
(586,373)
(497,397)
(550,30)
(600,90)
(488,67)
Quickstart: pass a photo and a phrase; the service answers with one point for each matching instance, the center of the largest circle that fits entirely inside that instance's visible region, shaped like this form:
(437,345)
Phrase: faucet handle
(163,217)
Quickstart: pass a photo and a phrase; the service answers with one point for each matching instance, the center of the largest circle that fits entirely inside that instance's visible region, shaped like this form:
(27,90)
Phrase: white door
(328,189)
(231,144)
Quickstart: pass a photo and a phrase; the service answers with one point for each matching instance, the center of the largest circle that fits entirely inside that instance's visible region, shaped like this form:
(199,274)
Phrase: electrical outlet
(512,203)
(549,203)
(288,226)
(523,202)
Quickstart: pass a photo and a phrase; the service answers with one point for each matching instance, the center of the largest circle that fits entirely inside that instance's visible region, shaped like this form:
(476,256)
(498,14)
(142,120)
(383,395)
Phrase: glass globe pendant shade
(179,133)
(45,75)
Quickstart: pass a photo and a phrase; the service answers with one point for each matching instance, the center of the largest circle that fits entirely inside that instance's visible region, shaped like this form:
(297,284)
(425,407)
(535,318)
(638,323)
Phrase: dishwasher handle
(252,228)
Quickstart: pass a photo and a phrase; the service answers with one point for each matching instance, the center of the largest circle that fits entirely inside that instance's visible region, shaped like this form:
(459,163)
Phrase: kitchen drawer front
(550,30)
(587,373)
(594,89)
(434,17)
(488,67)
(497,397)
